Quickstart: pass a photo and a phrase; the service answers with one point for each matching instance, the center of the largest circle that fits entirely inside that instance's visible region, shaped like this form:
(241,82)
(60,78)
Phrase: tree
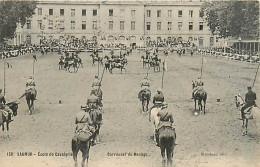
(11,13)
(232,18)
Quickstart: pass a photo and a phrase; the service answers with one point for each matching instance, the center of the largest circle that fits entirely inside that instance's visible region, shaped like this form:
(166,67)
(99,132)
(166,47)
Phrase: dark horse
(200,95)
(30,97)
(82,139)
(145,96)
(167,137)
(3,119)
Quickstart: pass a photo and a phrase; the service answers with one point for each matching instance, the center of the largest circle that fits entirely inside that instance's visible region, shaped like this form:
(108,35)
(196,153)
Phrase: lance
(201,67)
(256,73)
(4,74)
(163,72)
(101,78)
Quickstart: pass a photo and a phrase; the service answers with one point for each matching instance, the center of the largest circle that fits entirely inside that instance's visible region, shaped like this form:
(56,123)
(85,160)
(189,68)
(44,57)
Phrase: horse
(157,65)
(200,95)
(167,137)
(99,94)
(72,63)
(145,96)
(79,62)
(154,119)
(96,58)
(30,97)
(61,64)
(96,117)
(251,112)
(6,119)
(81,141)
(117,65)
(145,61)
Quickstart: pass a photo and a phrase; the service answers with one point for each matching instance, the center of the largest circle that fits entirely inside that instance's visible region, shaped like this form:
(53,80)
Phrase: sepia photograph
(129,83)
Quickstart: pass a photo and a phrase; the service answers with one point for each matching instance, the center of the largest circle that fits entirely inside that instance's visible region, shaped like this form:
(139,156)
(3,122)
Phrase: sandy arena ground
(214,139)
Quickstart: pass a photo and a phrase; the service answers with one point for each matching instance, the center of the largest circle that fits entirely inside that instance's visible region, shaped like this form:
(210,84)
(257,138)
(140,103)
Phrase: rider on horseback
(93,101)
(199,86)
(7,112)
(145,83)
(2,98)
(166,119)
(84,122)
(158,99)
(30,85)
(96,82)
(250,101)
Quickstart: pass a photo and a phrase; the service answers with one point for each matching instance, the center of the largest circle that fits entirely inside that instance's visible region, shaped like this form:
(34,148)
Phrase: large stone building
(129,22)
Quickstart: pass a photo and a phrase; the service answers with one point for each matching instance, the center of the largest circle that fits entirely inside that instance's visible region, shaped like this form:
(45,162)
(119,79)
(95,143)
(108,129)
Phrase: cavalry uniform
(165,120)
(250,98)
(199,86)
(84,123)
(7,112)
(2,98)
(30,86)
(158,98)
(96,83)
(145,84)
(92,101)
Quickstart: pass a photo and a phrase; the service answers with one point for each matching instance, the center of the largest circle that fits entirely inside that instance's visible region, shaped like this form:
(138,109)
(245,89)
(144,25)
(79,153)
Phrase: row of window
(170,13)
(111,25)
(169,26)
(111,12)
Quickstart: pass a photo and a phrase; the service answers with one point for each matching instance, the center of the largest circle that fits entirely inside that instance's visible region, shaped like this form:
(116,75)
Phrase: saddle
(247,112)
(30,90)
(83,132)
(199,90)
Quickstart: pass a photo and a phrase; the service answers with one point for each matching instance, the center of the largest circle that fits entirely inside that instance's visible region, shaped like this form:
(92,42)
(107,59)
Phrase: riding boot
(35,95)
(157,137)
(10,117)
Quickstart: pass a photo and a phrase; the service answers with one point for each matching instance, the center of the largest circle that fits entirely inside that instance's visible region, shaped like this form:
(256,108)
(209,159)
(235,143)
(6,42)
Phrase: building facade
(127,22)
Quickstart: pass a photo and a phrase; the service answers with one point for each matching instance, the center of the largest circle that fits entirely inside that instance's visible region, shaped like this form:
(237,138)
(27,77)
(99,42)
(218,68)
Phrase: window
(159,13)
(28,24)
(110,25)
(95,12)
(190,25)
(72,25)
(169,25)
(94,27)
(211,41)
(50,24)
(72,12)
(148,26)
(39,11)
(148,13)
(40,24)
(180,13)
(61,12)
(132,25)
(201,26)
(50,11)
(169,13)
(159,25)
(61,24)
(110,12)
(180,25)
(133,13)
(122,26)
(84,12)
(83,26)
(191,13)
(201,41)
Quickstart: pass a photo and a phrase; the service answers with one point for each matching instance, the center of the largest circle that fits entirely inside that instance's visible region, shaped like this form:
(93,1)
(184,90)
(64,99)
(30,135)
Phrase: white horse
(251,112)
(154,119)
